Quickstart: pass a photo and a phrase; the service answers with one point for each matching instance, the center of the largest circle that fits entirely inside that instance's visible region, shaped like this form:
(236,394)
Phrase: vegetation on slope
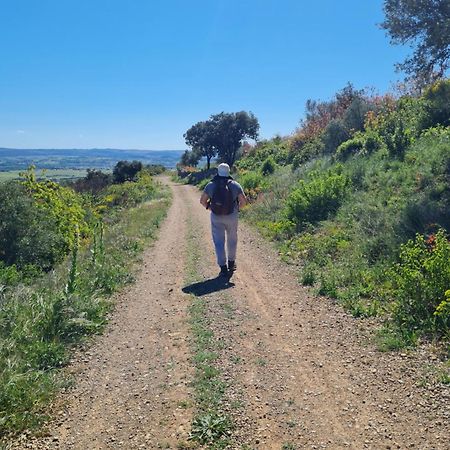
(362,202)
(359,197)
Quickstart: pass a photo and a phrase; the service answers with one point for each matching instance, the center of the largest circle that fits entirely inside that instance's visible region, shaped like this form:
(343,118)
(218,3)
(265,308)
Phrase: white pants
(224,227)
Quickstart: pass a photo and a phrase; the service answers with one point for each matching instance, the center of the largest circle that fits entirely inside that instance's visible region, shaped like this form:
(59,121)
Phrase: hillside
(359,197)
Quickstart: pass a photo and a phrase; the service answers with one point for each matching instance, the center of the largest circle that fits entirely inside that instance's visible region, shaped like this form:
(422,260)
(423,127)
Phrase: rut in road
(300,371)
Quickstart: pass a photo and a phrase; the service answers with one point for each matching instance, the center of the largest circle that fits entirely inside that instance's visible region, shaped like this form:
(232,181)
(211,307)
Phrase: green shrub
(279,230)
(421,280)
(277,148)
(443,310)
(397,138)
(268,166)
(129,193)
(29,234)
(334,134)
(306,152)
(251,181)
(62,204)
(318,198)
(398,124)
(9,275)
(372,142)
(437,104)
(348,148)
(201,186)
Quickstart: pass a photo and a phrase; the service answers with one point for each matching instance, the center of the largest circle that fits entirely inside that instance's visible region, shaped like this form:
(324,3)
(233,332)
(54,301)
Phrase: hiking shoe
(231,266)
(223,271)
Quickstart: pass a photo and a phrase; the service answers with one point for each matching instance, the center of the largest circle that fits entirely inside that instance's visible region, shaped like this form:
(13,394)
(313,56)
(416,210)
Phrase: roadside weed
(288,446)
(209,428)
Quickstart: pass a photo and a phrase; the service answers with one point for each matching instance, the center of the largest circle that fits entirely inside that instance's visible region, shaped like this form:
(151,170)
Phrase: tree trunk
(208,160)
(232,158)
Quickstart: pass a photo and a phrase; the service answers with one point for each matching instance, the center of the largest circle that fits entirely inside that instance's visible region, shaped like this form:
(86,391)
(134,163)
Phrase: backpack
(222,202)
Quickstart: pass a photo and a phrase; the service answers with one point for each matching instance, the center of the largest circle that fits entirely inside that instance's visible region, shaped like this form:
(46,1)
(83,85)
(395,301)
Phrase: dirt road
(300,372)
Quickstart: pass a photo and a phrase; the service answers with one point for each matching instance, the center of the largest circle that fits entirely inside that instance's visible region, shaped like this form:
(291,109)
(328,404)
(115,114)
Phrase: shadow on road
(208,286)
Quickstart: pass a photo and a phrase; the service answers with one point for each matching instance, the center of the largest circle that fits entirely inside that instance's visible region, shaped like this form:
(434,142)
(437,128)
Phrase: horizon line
(96,148)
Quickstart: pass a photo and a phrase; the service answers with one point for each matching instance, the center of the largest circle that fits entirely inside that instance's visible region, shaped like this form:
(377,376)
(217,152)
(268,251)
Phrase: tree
(126,171)
(425,25)
(320,113)
(93,182)
(229,130)
(200,138)
(190,158)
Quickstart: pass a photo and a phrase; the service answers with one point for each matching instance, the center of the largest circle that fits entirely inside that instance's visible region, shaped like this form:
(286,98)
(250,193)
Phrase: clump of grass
(288,446)
(390,339)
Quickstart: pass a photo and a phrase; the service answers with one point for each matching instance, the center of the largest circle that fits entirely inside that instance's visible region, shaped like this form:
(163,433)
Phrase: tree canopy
(222,134)
(190,158)
(126,171)
(201,138)
(229,130)
(425,26)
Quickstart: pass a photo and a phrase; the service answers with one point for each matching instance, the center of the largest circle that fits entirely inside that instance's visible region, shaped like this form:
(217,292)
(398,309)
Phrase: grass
(39,324)
(390,339)
(261,362)
(288,446)
(291,423)
(436,374)
(210,426)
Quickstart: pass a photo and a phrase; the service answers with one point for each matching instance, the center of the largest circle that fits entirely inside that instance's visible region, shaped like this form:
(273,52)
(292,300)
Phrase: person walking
(223,197)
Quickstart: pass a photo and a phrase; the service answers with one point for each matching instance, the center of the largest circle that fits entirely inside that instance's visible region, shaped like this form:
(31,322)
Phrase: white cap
(223,170)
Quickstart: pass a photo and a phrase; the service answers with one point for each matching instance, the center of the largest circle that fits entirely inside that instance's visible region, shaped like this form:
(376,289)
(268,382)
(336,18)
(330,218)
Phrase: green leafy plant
(350,147)
(318,198)
(29,233)
(268,166)
(209,428)
(64,205)
(421,280)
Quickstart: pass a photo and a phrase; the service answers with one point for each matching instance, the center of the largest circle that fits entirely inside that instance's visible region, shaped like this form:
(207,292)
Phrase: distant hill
(19,159)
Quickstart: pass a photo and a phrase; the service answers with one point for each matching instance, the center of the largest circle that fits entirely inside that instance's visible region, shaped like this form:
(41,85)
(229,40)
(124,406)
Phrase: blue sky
(138,73)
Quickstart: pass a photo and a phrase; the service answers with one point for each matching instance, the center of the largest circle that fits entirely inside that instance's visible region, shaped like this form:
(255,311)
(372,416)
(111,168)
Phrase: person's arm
(242,199)
(204,200)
